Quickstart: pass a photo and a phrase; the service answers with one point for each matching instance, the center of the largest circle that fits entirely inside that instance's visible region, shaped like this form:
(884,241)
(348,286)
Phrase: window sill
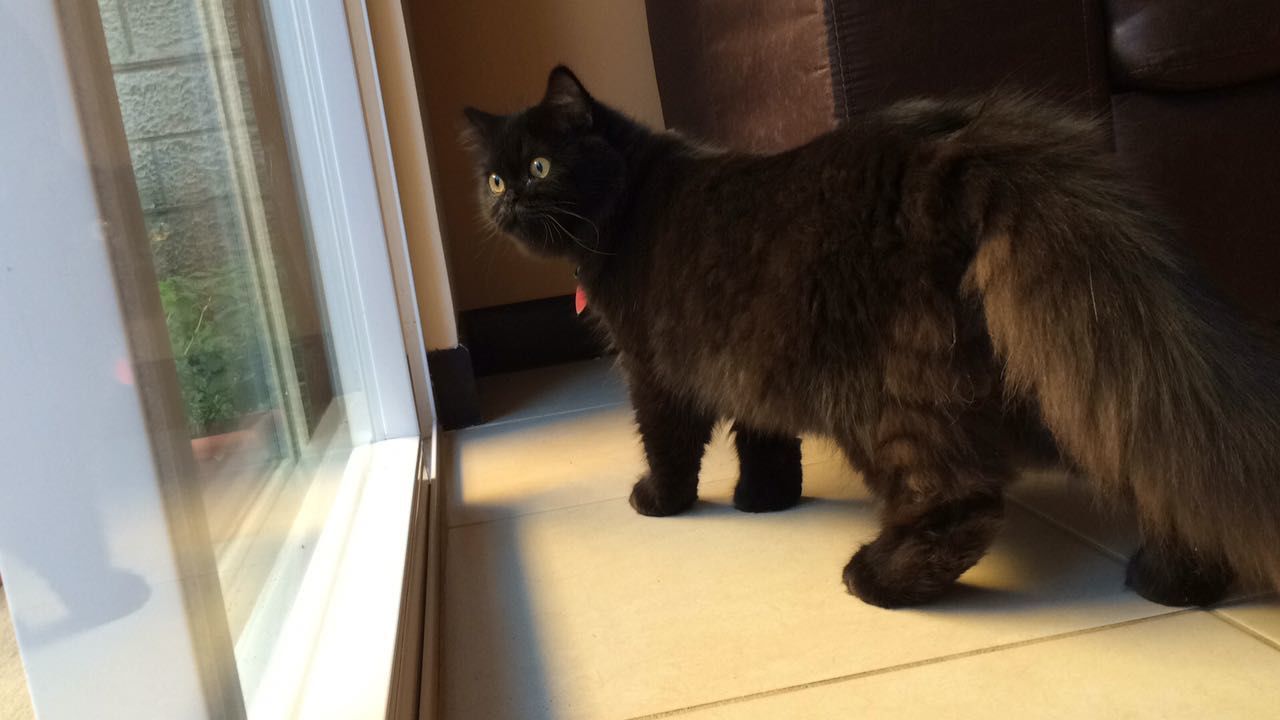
(335,651)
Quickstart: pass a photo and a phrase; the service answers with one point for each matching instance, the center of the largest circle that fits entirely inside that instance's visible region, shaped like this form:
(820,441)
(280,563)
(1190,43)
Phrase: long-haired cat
(942,288)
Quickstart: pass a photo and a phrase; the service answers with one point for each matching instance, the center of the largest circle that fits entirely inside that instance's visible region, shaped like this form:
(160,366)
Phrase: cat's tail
(1148,382)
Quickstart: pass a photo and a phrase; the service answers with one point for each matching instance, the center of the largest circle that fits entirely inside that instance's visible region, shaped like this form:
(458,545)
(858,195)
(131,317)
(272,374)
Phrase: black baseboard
(527,335)
(453,383)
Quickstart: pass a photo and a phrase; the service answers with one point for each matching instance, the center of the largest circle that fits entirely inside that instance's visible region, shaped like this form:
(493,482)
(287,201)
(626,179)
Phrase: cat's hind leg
(944,502)
(1168,572)
(769,475)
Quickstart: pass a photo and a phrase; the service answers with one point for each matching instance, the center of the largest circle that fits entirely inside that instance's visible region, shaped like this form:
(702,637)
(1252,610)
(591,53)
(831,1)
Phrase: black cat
(941,287)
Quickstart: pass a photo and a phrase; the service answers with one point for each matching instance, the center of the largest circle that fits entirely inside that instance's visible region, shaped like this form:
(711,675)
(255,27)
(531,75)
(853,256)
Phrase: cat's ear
(568,99)
(481,126)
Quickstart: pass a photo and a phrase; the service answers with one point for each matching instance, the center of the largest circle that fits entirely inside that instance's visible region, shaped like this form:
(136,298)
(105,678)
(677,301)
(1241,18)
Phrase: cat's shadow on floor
(1016,575)
(804,510)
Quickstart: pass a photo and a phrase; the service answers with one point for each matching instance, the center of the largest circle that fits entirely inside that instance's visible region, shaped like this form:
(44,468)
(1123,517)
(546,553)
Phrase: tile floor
(561,602)
(15,701)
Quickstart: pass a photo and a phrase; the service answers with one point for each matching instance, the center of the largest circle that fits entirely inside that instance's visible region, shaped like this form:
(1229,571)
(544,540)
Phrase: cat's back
(1003,125)
(850,172)
(767,276)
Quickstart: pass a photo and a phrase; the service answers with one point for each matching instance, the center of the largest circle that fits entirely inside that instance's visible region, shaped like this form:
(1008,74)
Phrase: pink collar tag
(580,300)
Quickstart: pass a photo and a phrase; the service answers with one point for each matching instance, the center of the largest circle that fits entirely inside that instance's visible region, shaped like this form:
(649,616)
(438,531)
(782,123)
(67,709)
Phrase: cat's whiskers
(573,237)
(585,220)
(553,230)
(545,210)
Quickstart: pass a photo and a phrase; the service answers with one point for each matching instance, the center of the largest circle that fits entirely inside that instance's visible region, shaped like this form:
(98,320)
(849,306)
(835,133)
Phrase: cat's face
(545,176)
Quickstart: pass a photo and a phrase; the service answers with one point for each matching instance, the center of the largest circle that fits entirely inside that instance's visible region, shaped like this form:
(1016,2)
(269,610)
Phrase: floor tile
(1069,501)
(555,461)
(1185,666)
(1261,616)
(552,461)
(574,386)
(544,463)
(551,390)
(15,700)
(595,612)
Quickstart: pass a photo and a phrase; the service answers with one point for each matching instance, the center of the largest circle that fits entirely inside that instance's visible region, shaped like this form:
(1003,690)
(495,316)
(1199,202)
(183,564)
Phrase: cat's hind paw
(1177,579)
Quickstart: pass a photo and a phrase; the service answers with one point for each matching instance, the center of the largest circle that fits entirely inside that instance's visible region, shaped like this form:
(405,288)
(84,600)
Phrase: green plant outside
(213,329)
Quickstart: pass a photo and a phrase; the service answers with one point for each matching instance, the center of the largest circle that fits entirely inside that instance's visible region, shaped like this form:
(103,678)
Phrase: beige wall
(495,54)
(415,185)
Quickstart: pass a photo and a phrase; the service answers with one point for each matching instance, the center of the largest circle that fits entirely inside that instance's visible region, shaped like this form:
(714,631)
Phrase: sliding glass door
(199,287)
(235,273)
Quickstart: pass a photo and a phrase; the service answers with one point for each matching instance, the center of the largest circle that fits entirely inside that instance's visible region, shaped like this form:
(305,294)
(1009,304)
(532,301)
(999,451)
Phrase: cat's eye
(539,167)
(496,184)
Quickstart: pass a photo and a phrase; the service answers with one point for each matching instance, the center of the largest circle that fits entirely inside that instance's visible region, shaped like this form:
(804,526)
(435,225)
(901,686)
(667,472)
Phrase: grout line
(702,484)
(542,416)
(589,503)
(184,135)
(909,666)
(123,13)
(1123,560)
(188,58)
(461,435)
(1274,645)
(541,511)
(1079,536)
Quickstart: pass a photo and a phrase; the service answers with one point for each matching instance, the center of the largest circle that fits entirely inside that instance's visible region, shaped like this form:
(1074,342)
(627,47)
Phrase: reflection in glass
(235,276)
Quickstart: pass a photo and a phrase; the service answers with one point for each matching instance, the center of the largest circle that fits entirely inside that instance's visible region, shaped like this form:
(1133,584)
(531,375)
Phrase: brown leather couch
(1191,88)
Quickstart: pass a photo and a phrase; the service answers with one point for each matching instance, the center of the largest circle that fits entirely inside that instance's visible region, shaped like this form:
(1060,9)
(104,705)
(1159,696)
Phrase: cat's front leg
(769,472)
(675,433)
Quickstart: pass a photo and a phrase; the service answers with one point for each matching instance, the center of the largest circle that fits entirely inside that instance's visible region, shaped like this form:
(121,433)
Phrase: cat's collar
(579,295)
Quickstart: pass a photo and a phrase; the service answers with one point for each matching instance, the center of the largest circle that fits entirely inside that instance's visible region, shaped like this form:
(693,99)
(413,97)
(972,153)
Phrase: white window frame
(87,494)
(326,112)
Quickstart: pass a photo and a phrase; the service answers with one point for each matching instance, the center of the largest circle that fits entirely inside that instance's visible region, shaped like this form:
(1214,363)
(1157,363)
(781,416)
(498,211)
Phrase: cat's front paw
(650,498)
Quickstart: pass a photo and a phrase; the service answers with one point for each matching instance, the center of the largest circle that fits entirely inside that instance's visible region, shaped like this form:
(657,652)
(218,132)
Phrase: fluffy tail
(1148,382)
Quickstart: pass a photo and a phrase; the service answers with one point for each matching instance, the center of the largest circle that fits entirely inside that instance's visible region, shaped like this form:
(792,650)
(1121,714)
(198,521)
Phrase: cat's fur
(934,286)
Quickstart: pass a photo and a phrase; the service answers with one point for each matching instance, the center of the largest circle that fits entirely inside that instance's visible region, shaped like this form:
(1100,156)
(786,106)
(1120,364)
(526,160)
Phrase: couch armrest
(1182,45)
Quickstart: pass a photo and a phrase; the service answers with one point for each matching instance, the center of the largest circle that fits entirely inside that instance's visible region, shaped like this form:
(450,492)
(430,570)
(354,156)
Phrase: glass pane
(235,276)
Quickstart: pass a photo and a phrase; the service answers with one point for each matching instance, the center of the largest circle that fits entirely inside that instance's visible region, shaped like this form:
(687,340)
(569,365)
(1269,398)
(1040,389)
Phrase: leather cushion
(888,50)
(1210,157)
(1193,44)
(745,74)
